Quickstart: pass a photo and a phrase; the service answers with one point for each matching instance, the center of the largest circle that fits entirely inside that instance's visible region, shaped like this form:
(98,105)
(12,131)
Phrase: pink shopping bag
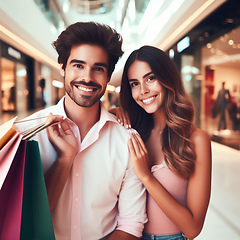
(11,193)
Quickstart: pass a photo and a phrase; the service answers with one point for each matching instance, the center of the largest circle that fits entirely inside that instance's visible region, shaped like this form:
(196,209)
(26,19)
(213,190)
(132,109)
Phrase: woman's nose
(144,88)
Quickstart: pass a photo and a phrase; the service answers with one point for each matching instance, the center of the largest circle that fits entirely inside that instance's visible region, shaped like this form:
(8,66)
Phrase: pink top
(102,192)
(158,223)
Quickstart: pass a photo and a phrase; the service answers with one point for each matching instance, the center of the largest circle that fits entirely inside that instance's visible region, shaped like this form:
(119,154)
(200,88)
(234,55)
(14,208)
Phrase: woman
(171,156)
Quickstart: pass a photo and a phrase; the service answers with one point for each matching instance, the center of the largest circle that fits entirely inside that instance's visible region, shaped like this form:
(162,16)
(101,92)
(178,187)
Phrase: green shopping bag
(36,220)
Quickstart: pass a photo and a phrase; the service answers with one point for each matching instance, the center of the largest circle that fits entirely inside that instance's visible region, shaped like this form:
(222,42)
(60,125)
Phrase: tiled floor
(223,217)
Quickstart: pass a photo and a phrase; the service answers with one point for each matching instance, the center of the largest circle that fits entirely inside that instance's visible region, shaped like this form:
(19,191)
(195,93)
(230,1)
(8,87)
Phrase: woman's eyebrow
(147,74)
(144,76)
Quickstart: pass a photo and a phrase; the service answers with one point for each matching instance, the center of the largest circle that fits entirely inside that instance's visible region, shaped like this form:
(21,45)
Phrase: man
(92,189)
(223,99)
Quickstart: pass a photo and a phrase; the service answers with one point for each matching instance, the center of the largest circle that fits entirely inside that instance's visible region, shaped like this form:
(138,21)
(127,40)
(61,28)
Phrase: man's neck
(83,117)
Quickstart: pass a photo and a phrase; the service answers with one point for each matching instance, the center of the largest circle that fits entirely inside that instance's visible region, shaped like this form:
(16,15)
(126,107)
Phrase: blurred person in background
(92,189)
(170,155)
(222,101)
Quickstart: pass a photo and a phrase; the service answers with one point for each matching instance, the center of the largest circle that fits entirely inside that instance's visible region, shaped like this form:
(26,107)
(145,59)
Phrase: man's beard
(84,100)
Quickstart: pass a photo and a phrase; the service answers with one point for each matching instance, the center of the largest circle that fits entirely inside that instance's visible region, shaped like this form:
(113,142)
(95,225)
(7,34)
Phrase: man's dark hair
(89,33)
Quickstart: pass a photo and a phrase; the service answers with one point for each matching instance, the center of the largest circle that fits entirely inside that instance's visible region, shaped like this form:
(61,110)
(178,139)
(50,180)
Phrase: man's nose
(87,76)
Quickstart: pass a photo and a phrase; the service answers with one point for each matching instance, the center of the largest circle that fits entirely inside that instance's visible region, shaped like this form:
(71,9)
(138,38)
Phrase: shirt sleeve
(132,204)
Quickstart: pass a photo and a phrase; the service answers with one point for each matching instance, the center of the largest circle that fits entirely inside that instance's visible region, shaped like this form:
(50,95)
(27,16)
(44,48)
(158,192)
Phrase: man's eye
(78,65)
(99,69)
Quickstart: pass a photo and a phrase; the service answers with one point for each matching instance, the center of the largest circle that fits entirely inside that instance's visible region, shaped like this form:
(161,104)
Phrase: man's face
(86,74)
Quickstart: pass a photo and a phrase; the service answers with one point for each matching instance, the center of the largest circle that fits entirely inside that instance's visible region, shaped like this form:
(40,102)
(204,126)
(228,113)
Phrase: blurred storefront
(15,71)
(26,84)
(208,56)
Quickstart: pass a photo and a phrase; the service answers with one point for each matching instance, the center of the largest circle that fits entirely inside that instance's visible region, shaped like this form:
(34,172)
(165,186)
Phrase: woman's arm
(119,235)
(189,219)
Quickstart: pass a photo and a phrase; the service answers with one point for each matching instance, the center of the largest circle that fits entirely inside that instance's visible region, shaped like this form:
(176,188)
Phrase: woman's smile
(149,100)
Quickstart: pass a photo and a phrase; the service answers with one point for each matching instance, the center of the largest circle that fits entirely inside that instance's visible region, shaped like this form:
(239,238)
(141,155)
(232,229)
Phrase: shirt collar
(105,116)
(60,107)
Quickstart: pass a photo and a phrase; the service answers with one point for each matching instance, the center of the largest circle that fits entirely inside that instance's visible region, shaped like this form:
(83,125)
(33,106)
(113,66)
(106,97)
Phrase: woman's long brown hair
(178,150)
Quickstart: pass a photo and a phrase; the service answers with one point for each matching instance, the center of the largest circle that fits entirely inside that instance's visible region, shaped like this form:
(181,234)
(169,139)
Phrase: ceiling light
(117,89)
(209,45)
(171,53)
(110,88)
(57,84)
(22,72)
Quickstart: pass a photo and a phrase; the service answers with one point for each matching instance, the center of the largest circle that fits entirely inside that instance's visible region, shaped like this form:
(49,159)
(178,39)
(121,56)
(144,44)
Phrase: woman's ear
(62,71)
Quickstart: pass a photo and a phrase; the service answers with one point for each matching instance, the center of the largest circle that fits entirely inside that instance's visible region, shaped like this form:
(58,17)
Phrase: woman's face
(146,88)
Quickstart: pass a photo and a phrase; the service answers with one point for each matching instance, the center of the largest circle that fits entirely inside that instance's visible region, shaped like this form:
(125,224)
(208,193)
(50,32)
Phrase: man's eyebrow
(77,61)
(100,64)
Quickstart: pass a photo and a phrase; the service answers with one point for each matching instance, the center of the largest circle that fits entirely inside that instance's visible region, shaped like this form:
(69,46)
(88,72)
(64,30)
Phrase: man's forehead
(87,53)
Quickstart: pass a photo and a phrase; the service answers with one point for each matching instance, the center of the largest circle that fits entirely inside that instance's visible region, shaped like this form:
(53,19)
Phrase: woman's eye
(151,78)
(133,84)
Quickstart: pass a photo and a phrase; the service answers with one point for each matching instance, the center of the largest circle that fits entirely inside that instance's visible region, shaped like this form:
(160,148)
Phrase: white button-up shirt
(102,192)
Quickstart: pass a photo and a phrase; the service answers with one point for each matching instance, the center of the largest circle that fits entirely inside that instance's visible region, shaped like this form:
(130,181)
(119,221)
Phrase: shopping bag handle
(29,133)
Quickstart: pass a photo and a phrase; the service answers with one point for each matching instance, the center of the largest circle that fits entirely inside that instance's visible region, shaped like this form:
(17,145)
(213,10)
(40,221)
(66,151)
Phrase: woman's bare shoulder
(198,136)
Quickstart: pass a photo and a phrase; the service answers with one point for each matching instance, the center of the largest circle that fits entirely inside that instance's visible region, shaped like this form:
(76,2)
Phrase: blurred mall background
(201,36)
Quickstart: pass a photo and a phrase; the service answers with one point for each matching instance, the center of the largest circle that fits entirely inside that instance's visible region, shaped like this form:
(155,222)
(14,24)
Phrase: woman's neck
(159,118)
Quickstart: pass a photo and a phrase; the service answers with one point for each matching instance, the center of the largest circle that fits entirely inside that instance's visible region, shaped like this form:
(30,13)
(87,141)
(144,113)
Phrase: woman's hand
(61,137)
(121,116)
(139,156)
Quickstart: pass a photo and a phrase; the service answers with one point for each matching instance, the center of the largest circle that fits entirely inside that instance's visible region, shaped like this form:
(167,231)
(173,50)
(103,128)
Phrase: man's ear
(62,71)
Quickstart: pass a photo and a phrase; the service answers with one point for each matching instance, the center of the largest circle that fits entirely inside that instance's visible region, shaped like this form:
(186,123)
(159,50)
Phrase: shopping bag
(7,132)
(7,154)
(24,208)
(36,218)
(11,193)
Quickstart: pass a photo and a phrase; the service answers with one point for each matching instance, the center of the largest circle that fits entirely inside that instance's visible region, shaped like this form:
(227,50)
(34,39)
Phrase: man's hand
(66,145)
(61,137)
